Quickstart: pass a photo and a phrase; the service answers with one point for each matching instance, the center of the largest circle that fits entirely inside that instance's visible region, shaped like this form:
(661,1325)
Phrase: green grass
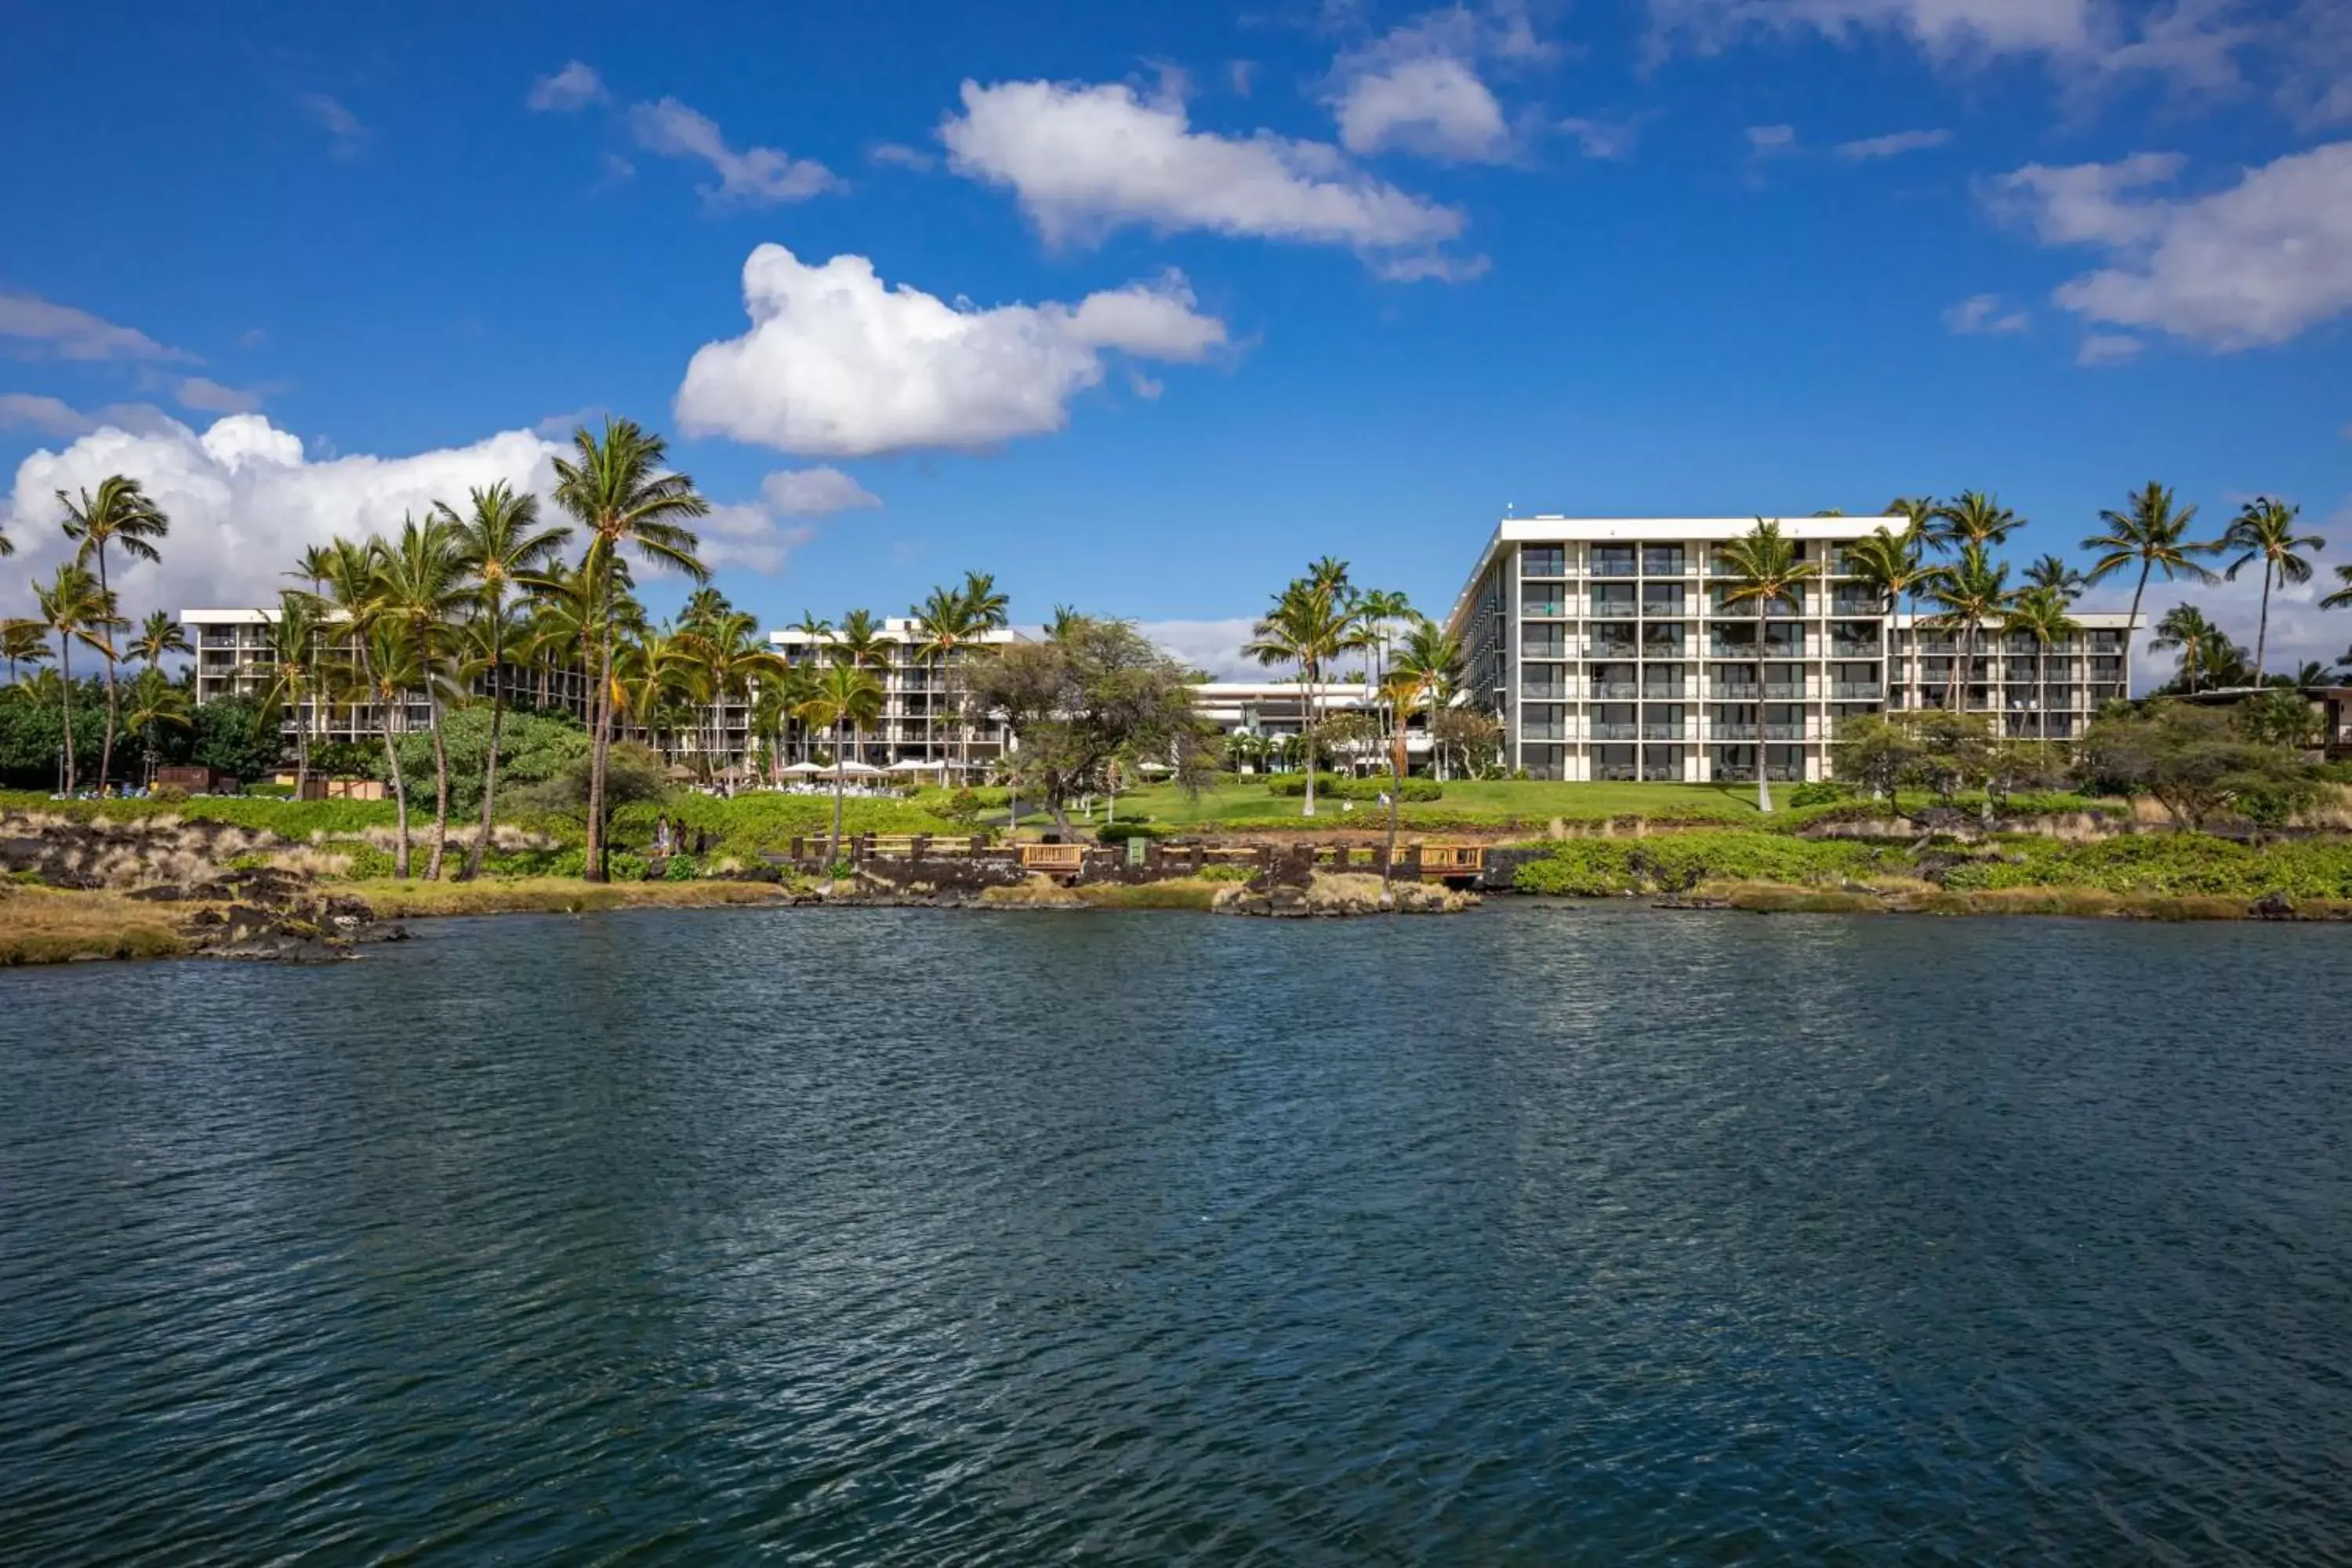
(292,818)
(1483,803)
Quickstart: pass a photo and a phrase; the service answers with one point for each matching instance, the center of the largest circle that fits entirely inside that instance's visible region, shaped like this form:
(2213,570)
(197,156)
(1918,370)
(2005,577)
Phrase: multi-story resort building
(921,695)
(1608,650)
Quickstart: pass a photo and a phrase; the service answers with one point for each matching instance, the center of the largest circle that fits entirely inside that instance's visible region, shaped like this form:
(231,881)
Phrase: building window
(1543,642)
(1544,599)
(1543,560)
(1541,680)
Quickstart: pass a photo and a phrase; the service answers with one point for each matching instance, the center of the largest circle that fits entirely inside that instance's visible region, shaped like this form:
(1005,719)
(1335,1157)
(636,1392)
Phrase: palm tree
(2184,627)
(2151,535)
(312,565)
(294,674)
(1890,566)
(158,638)
(390,667)
(1379,610)
(156,699)
(845,695)
(945,621)
(733,660)
(860,643)
(75,609)
(2264,530)
(2058,575)
(1970,594)
(1971,518)
(2342,597)
(619,492)
(1765,571)
(2039,613)
(119,514)
(23,641)
(1310,624)
(502,546)
(1427,664)
(423,586)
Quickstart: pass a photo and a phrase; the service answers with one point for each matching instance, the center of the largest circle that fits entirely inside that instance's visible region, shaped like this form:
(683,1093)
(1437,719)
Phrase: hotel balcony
(1612,610)
(1857,692)
(1613,691)
(1674,732)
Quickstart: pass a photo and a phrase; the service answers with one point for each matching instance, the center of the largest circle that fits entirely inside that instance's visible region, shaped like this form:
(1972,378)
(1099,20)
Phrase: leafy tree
(845,695)
(532,748)
(1765,570)
(632,773)
(1971,518)
(2198,761)
(33,715)
(76,609)
(237,735)
(2059,576)
(1311,623)
(1969,594)
(2151,536)
(2265,531)
(1095,691)
(2283,716)
(616,487)
(2039,613)
(1473,735)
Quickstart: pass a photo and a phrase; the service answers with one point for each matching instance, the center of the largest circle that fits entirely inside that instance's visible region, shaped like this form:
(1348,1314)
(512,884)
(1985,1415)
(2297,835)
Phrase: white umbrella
(804,769)
(913,765)
(852,766)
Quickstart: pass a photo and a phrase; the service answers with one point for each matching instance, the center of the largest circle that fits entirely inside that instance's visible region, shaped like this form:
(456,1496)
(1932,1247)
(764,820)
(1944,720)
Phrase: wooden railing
(1452,859)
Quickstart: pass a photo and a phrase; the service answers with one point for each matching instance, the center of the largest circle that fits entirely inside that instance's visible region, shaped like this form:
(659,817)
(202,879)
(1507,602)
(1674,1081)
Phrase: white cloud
(1893,145)
(1604,139)
(1765,138)
(1985,313)
(207,396)
(71,333)
(347,138)
(2300,629)
(576,86)
(2107,348)
(1240,76)
(243,501)
(49,416)
(755,176)
(1212,645)
(1086,161)
(2254,263)
(836,364)
(746,538)
(814,492)
(560,426)
(899,155)
(1418,90)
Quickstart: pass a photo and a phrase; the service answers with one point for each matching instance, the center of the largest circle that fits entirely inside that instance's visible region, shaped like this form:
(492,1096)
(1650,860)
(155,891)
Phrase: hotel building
(920,696)
(1608,650)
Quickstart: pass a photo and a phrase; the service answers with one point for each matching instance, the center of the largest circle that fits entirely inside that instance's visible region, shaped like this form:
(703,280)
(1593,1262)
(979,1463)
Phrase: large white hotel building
(1606,648)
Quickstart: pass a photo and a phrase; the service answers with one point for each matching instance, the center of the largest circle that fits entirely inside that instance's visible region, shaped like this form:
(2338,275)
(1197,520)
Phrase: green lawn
(1488,802)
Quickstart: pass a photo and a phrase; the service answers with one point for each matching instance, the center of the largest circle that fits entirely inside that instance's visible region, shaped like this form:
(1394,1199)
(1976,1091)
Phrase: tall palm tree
(2058,575)
(1766,570)
(503,548)
(389,666)
(2039,613)
(2342,597)
(1380,611)
(1969,594)
(2265,531)
(120,514)
(861,643)
(1311,623)
(616,487)
(845,695)
(75,609)
(423,586)
(1971,518)
(734,660)
(1892,567)
(2185,628)
(2151,535)
(294,676)
(155,699)
(23,641)
(160,637)
(1428,662)
(947,622)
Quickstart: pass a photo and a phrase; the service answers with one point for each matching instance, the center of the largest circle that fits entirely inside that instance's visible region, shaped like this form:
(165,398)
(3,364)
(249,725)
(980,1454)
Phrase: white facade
(921,699)
(1606,647)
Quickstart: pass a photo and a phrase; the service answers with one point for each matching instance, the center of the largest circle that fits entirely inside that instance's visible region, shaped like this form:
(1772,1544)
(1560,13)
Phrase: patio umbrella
(805,769)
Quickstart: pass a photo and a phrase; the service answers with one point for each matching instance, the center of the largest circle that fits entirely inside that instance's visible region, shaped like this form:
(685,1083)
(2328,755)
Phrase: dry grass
(395,900)
(1039,892)
(43,925)
(1891,896)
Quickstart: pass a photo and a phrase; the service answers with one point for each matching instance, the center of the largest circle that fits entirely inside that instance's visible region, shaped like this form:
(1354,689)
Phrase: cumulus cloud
(1418,88)
(43,327)
(2254,263)
(1086,161)
(745,537)
(576,86)
(1893,145)
(46,415)
(1212,646)
(755,176)
(837,365)
(243,501)
(1986,313)
(814,492)
(346,137)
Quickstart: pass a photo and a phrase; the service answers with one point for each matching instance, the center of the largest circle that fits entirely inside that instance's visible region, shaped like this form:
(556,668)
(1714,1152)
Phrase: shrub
(1121,832)
(1333,786)
(1601,867)
(1224,873)
(1817,794)
(681,868)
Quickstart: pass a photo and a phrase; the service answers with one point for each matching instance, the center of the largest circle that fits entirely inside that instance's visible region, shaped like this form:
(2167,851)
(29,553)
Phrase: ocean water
(1550,1234)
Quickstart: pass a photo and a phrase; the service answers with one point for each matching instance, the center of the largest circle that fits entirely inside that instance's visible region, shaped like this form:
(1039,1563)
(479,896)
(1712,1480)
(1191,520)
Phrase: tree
(1890,566)
(617,490)
(2264,530)
(2058,575)
(76,609)
(1098,690)
(1765,570)
(844,695)
(1427,665)
(2197,762)
(1472,734)
(422,588)
(1971,518)
(156,699)
(2280,716)
(23,641)
(158,638)
(2202,643)
(2151,536)
(1971,593)
(294,674)
(1310,624)
(503,548)
(954,624)
(731,660)
(2039,613)
(2342,597)
(121,515)
(1378,612)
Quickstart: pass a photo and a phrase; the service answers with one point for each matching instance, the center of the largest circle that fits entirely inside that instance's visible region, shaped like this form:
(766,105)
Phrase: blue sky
(1282,281)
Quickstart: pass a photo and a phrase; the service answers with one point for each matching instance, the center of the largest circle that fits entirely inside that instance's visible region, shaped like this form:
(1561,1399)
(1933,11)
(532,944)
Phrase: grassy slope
(392,899)
(43,925)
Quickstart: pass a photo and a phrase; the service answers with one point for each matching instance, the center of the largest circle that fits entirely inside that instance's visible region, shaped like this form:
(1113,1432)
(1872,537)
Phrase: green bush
(1223,873)
(1332,786)
(1121,832)
(681,868)
(2167,864)
(1818,794)
(1674,863)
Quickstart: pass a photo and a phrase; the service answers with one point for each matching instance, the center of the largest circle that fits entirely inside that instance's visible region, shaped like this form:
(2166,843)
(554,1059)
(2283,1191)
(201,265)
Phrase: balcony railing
(1852,649)
(1617,772)
(1857,692)
(1661,773)
(1661,731)
(1610,649)
(1663,563)
(1615,732)
(1662,693)
(1733,731)
(1784,732)
(1601,568)
(1613,610)
(1615,690)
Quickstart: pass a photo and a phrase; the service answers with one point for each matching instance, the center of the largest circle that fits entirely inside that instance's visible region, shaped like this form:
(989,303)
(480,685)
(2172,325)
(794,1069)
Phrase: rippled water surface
(1542,1234)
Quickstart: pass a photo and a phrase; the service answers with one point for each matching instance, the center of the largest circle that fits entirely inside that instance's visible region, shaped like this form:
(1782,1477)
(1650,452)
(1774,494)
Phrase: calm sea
(1543,1235)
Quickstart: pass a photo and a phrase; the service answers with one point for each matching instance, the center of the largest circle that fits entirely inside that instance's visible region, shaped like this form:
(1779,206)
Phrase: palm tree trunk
(440,795)
(105,751)
(473,866)
(1306,734)
(833,849)
(2131,623)
(2263,634)
(399,792)
(65,685)
(601,739)
(1396,794)
(1763,777)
